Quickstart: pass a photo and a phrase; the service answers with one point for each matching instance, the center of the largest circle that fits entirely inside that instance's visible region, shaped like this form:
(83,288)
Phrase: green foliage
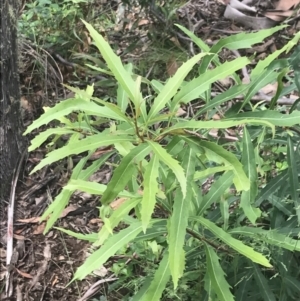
(161,163)
(49,22)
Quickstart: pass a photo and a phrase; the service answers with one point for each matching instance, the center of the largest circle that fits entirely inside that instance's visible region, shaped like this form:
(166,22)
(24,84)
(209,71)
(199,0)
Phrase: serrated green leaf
(114,63)
(213,124)
(90,237)
(210,171)
(159,282)
(264,288)
(216,190)
(150,190)
(218,154)
(216,275)
(179,219)
(248,161)
(270,236)
(243,287)
(265,78)
(272,187)
(122,96)
(205,48)
(116,218)
(87,172)
(293,176)
(171,87)
(232,242)
(68,106)
(43,136)
(273,117)
(94,188)
(109,248)
(80,146)
(173,164)
(123,172)
(264,63)
(223,97)
(61,200)
(244,40)
(194,38)
(197,86)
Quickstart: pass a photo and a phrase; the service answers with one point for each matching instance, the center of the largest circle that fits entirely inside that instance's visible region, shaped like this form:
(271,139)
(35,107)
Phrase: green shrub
(162,163)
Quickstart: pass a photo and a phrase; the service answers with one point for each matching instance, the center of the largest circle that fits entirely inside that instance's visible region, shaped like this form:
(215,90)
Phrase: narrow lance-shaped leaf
(222,124)
(173,164)
(245,40)
(216,274)
(216,152)
(216,190)
(91,237)
(232,242)
(114,63)
(171,87)
(239,41)
(258,83)
(200,84)
(274,117)
(122,96)
(96,165)
(116,218)
(110,247)
(223,97)
(262,282)
(68,106)
(123,172)
(159,282)
(272,237)
(293,176)
(179,219)
(95,188)
(244,286)
(272,187)
(248,161)
(205,48)
(61,200)
(150,190)
(43,136)
(80,146)
(262,64)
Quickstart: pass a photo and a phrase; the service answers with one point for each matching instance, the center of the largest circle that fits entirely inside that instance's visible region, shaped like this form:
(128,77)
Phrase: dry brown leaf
(31,220)
(55,280)
(67,210)
(270,88)
(172,66)
(117,203)
(95,221)
(19,237)
(25,275)
(278,16)
(286,4)
(143,22)
(39,229)
(180,112)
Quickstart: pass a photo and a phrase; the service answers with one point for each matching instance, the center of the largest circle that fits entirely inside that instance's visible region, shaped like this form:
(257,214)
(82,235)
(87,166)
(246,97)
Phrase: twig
(10,223)
(91,291)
